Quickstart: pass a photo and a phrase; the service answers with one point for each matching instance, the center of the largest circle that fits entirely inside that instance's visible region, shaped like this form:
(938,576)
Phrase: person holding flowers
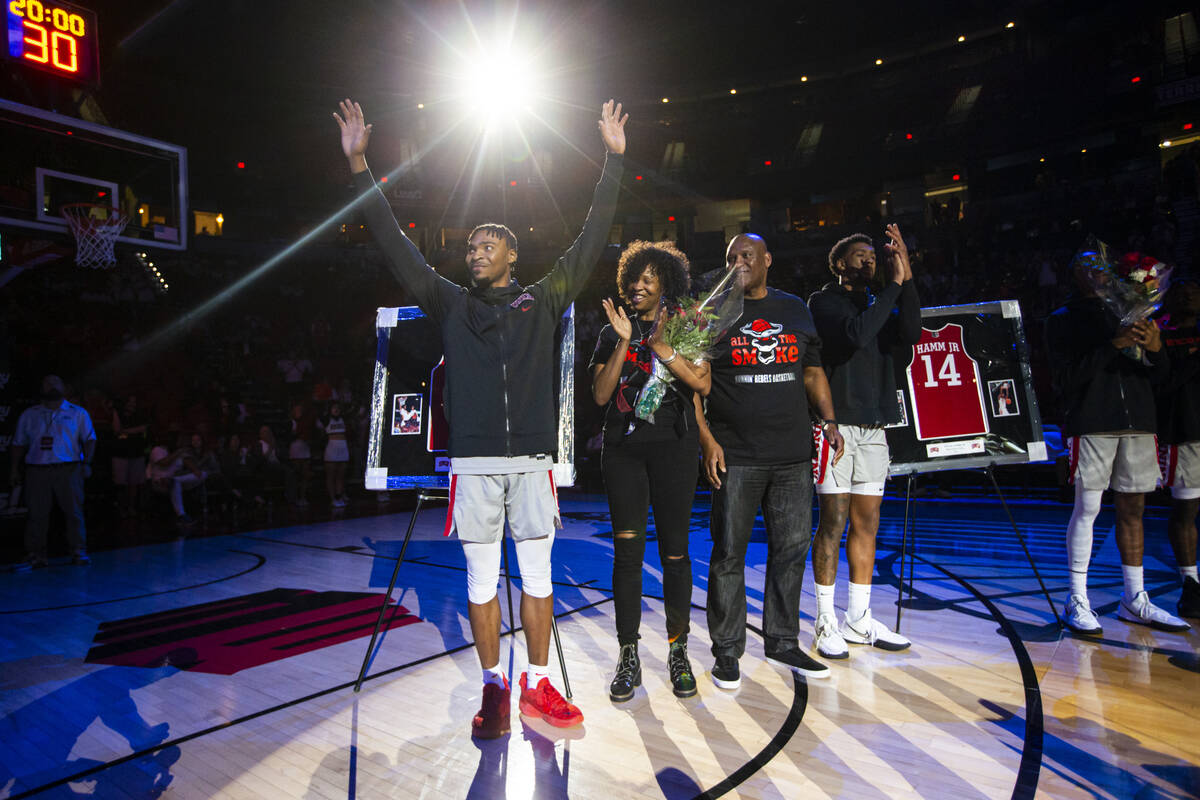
(1108,358)
(649,461)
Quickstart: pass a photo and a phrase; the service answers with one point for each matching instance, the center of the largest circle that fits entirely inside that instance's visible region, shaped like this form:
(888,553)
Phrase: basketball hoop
(96,228)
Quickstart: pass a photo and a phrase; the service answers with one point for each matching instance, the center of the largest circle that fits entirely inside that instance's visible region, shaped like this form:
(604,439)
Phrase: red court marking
(228,636)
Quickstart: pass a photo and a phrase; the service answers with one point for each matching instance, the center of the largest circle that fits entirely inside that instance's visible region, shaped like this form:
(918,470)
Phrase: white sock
(1078,582)
(1079,536)
(825,599)
(1188,572)
(859,602)
(535,674)
(495,675)
(1133,580)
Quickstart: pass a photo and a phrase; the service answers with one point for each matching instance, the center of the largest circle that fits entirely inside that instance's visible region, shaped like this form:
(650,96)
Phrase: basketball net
(96,228)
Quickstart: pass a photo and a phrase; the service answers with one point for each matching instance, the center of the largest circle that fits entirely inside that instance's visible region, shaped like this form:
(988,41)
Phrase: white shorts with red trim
(1180,465)
(1122,462)
(863,468)
(479,505)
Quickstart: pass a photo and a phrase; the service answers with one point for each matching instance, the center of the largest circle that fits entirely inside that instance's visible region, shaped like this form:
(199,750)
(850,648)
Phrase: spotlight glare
(512,72)
(962,39)
(666,99)
(1011,25)
(804,79)
(733,91)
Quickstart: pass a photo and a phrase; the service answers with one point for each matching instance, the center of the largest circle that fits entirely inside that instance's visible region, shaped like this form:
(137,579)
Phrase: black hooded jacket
(499,344)
(1100,389)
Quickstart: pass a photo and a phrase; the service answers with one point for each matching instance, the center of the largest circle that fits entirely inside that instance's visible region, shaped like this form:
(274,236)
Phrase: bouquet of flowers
(1132,286)
(692,328)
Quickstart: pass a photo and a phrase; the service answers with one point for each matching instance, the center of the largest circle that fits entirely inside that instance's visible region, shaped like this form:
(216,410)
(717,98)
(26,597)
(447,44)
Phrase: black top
(1179,396)
(499,343)
(673,419)
(859,333)
(1100,389)
(758,408)
(131,445)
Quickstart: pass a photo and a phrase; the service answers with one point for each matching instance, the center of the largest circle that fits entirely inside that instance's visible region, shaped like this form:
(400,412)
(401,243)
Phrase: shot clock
(54,37)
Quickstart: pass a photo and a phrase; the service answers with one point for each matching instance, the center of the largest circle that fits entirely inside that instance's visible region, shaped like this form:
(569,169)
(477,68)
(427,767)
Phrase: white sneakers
(1080,617)
(868,630)
(830,641)
(827,640)
(1141,611)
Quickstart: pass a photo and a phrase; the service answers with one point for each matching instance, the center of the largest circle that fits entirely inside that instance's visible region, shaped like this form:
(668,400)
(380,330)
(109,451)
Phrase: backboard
(53,160)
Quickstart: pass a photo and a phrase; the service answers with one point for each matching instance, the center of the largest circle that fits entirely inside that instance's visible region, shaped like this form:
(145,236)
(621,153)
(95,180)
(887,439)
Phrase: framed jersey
(967,398)
(406,448)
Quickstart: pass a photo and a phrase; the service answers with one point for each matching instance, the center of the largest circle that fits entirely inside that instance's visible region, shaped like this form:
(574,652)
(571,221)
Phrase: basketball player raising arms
(499,341)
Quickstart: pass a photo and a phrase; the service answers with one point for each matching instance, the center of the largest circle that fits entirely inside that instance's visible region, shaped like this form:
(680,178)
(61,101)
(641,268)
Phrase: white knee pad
(483,570)
(1079,528)
(533,556)
(1087,503)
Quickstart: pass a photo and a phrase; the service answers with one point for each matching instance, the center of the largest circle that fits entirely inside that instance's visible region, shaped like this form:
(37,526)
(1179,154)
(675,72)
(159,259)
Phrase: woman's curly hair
(665,260)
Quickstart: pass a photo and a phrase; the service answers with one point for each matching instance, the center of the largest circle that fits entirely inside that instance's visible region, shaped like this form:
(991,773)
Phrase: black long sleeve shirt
(859,335)
(1179,394)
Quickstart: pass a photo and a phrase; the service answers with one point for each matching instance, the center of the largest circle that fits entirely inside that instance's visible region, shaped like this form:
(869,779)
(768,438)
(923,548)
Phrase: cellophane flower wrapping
(692,326)
(1132,286)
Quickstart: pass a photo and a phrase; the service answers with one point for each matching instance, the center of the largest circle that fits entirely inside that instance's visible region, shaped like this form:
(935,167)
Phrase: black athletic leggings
(636,476)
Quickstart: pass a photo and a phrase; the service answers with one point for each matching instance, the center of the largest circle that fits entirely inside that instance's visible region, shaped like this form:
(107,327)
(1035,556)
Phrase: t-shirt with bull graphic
(673,419)
(758,409)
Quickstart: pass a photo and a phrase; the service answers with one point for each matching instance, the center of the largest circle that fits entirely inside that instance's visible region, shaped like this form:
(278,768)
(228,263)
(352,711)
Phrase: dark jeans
(636,476)
(45,485)
(785,494)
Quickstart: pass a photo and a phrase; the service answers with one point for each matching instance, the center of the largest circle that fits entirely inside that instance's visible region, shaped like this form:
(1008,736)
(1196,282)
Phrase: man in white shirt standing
(55,442)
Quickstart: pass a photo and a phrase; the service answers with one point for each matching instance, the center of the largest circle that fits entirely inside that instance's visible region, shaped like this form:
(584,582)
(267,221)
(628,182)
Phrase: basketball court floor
(224,667)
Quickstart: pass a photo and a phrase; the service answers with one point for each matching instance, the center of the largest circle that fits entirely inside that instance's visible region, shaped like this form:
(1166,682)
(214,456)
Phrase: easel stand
(424,495)
(910,525)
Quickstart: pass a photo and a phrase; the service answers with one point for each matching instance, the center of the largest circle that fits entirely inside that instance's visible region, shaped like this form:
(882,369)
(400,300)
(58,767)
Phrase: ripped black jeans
(661,475)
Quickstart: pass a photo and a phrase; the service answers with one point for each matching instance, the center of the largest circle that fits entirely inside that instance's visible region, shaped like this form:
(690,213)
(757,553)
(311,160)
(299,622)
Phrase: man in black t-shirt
(757,449)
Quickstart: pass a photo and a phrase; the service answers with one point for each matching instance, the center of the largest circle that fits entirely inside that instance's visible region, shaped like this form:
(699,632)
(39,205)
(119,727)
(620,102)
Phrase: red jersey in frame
(945,387)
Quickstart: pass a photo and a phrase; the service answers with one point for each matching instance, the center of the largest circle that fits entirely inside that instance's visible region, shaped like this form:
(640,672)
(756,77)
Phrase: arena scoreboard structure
(54,37)
(966,392)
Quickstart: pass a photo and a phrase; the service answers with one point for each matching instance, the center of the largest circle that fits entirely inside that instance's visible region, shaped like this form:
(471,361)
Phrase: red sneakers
(547,703)
(492,721)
